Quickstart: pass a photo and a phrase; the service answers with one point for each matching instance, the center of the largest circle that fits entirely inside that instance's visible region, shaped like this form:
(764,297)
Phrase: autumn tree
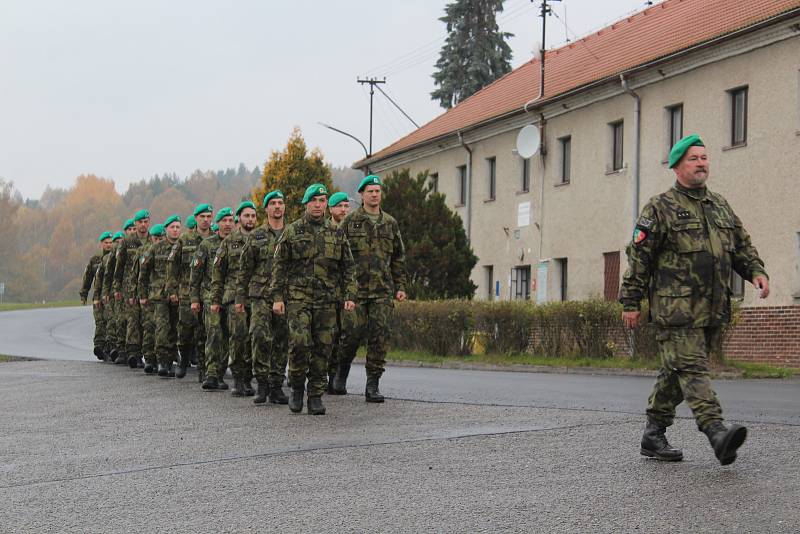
(292,170)
(439,259)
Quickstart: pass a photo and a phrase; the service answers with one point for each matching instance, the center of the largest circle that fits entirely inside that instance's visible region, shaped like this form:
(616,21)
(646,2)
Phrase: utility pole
(372,83)
(546,10)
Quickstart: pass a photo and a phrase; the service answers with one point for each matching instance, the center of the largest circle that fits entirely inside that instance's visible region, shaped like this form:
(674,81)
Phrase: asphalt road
(92,447)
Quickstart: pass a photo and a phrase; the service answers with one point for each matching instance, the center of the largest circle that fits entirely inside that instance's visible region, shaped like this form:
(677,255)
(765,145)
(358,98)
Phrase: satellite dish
(528,141)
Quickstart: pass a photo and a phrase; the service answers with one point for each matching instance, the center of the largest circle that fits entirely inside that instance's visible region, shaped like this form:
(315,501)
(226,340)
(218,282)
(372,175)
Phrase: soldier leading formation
(229,294)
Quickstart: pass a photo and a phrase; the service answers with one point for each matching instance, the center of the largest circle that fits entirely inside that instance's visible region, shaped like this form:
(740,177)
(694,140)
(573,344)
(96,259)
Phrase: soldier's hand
(349,305)
(215,308)
(631,319)
(401,296)
(143,302)
(239,308)
(195,307)
(173,299)
(278,308)
(762,283)
(96,304)
(117,296)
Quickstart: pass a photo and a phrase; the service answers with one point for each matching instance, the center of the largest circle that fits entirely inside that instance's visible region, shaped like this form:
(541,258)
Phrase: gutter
(468,193)
(637,141)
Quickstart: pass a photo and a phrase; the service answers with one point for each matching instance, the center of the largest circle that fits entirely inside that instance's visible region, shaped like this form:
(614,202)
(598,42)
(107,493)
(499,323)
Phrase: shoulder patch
(645,223)
(639,235)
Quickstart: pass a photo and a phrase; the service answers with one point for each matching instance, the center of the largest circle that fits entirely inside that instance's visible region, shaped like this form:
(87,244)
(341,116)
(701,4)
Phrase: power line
(398,107)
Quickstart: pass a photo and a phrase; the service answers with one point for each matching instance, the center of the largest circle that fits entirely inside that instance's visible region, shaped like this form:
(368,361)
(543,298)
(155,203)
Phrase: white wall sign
(524,214)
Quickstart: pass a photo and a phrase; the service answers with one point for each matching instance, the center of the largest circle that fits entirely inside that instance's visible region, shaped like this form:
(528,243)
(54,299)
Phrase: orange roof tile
(643,37)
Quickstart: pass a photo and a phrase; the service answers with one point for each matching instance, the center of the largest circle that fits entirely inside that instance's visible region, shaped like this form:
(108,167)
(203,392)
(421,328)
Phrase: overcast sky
(129,89)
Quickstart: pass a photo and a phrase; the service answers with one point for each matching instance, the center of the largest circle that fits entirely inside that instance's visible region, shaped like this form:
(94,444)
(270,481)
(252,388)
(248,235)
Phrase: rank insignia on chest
(639,235)
(683,214)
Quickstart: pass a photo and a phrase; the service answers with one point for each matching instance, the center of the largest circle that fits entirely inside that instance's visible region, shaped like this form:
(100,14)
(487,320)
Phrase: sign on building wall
(541,282)
(524,214)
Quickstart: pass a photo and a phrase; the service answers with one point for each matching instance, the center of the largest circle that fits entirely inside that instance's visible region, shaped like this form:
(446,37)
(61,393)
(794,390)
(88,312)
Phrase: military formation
(222,293)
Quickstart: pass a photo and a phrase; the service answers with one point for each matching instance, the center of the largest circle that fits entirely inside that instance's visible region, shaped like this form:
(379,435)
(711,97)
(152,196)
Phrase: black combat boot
(725,440)
(277,396)
(655,444)
(149,368)
(121,359)
(210,383)
(139,363)
(261,394)
(183,364)
(112,355)
(331,378)
(238,387)
(372,393)
(315,406)
(340,380)
(221,384)
(296,400)
(170,370)
(99,353)
(247,387)
(162,370)
(133,359)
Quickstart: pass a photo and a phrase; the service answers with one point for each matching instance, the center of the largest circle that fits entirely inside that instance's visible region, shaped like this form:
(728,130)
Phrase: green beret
(157,230)
(202,208)
(104,235)
(214,227)
(272,194)
(336,198)
(127,224)
(681,147)
(171,219)
(221,214)
(118,235)
(245,204)
(236,219)
(191,222)
(372,179)
(141,214)
(312,191)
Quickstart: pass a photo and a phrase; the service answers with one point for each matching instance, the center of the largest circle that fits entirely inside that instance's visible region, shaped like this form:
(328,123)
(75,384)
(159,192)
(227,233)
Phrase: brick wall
(768,335)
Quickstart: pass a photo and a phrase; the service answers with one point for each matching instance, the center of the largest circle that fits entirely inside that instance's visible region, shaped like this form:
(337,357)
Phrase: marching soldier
(89,277)
(157,235)
(338,207)
(119,324)
(685,244)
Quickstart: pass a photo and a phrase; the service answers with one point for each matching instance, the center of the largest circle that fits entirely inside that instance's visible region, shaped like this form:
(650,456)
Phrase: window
(738,116)
(526,175)
(674,125)
(611,275)
(492,169)
(434,182)
(462,185)
(737,286)
(521,283)
(617,139)
(566,156)
(561,277)
(489,270)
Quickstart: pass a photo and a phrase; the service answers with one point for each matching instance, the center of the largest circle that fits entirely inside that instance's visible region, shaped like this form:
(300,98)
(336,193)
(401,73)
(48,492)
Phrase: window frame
(671,137)
(617,145)
(462,185)
(526,175)
(565,167)
(492,177)
(434,182)
(734,94)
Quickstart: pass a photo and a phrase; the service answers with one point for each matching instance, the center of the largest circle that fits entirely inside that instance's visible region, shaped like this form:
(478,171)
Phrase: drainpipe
(469,187)
(637,119)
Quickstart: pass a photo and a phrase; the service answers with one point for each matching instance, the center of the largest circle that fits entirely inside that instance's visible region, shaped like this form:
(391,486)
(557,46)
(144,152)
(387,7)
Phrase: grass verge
(522,359)
(760,370)
(11,306)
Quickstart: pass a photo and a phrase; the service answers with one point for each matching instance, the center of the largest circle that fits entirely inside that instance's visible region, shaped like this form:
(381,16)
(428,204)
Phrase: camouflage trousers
(239,349)
(149,333)
(166,319)
(368,323)
(110,335)
(269,336)
(217,340)
(119,324)
(191,337)
(336,351)
(684,375)
(133,332)
(311,330)
(100,325)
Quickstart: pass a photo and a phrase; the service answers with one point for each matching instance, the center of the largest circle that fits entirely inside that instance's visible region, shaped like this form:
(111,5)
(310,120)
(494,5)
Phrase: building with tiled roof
(555,226)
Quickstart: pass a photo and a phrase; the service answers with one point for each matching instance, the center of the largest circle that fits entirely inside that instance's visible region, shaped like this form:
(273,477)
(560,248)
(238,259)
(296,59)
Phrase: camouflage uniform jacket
(89,274)
(202,263)
(99,277)
(379,254)
(255,271)
(108,272)
(153,271)
(313,263)
(125,279)
(179,268)
(685,244)
(226,268)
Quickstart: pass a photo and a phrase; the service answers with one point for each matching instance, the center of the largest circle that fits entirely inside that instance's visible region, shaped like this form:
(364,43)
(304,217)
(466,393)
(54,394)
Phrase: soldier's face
(339,211)
(156,238)
(174,231)
(371,196)
(316,206)
(203,221)
(692,169)
(225,226)
(247,219)
(130,230)
(106,244)
(276,208)
(142,226)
